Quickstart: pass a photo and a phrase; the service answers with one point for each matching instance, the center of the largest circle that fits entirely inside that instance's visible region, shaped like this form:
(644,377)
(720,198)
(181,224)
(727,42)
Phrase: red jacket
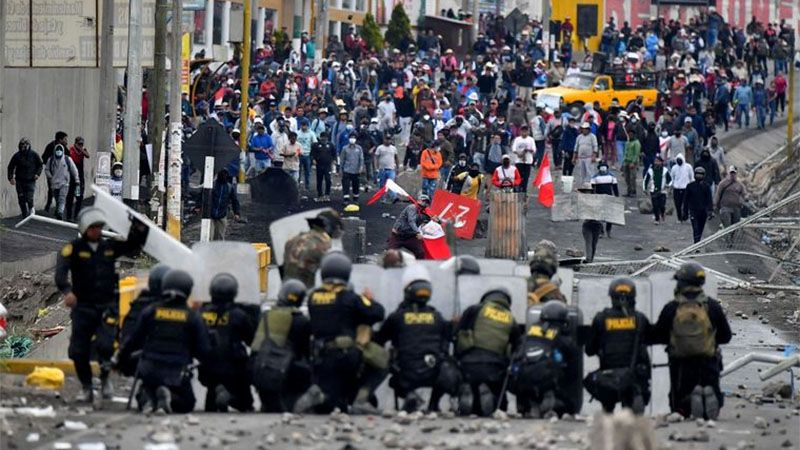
(502,176)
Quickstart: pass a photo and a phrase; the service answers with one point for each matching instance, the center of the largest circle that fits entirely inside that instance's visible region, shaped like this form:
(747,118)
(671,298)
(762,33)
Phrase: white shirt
(681,175)
(523,148)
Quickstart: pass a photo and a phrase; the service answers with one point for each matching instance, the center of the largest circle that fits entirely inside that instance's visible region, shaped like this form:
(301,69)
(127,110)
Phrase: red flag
(544,182)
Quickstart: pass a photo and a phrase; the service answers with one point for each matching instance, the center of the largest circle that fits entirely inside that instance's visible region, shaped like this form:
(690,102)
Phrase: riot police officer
(148,296)
(421,340)
(544,264)
(347,366)
(93,294)
(695,361)
(281,352)
(224,373)
(304,252)
(485,335)
(618,336)
(169,334)
(541,364)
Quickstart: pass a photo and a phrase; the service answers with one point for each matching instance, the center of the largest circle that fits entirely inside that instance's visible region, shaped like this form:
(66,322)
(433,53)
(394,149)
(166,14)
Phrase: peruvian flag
(544,182)
(390,186)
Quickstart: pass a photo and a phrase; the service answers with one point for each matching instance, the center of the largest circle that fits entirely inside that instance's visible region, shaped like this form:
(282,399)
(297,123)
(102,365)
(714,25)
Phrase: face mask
(59,153)
(680,162)
(352,140)
(698,177)
(426,117)
(506,163)
(462,163)
(118,173)
(603,169)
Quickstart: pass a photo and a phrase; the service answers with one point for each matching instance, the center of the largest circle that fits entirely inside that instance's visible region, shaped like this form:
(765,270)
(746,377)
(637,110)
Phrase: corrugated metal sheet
(507,226)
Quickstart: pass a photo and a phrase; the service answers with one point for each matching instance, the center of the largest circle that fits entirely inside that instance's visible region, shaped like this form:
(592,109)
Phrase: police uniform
(169,334)
(95,283)
(485,336)
(286,328)
(616,334)
(303,255)
(543,265)
(336,312)
(230,330)
(694,379)
(421,340)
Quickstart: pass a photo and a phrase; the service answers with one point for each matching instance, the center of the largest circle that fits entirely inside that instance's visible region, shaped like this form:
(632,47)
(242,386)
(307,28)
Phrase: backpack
(538,367)
(271,365)
(692,333)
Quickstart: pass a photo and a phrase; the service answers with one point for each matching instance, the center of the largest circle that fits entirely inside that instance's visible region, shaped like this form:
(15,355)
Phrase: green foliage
(399,29)
(371,33)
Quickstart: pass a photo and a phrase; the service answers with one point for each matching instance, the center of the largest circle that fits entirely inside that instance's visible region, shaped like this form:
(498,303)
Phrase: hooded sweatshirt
(682,174)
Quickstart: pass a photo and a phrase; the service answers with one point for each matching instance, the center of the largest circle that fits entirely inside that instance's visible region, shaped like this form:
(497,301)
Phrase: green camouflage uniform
(303,254)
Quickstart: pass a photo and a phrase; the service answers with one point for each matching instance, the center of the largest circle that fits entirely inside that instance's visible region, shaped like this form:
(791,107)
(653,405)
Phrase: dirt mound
(33,304)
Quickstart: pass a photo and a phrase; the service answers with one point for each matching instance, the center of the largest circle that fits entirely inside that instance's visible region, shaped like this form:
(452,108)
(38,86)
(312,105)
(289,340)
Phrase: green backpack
(692,333)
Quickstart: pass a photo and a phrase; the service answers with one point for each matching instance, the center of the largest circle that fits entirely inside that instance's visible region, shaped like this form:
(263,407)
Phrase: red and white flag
(390,186)
(544,182)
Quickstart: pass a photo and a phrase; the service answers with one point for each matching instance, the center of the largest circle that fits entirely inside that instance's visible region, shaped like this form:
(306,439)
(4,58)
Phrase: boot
(487,400)
(86,395)
(163,400)
(465,400)
(106,388)
(712,403)
(144,403)
(312,398)
(548,402)
(412,402)
(222,398)
(362,406)
(697,402)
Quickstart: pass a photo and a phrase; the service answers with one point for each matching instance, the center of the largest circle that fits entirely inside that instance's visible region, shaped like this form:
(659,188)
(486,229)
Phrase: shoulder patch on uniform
(171,314)
(620,323)
(418,318)
(66,252)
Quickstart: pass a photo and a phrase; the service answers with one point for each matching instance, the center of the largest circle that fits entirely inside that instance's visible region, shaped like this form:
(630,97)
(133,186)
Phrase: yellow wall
(564,8)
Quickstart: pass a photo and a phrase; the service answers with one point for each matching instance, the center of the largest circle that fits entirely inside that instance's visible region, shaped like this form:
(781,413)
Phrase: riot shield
(578,206)
(283,229)
(236,258)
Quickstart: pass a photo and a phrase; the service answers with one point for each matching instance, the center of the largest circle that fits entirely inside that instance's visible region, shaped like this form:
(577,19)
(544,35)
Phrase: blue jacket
(568,139)
(743,95)
(760,97)
(223,196)
(260,141)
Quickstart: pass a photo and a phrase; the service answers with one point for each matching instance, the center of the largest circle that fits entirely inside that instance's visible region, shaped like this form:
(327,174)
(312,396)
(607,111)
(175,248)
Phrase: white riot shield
(239,259)
(288,227)
(577,206)
(159,244)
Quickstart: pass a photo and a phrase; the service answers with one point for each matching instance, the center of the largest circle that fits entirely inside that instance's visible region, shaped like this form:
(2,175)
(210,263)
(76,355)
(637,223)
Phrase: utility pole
(133,107)
(159,87)
(244,109)
(173,165)
(790,116)
(108,94)
(546,29)
(2,69)
(321,28)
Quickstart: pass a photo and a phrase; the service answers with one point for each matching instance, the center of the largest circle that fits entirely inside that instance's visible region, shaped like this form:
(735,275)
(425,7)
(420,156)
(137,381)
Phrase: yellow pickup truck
(586,87)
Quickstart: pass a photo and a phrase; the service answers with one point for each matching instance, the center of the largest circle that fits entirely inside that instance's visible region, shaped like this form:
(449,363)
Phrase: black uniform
(230,331)
(25,166)
(697,201)
(323,154)
(95,283)
(339,370)
(146,298)
(614,336)
(280,395)
(686,373)
(169,334)
(486,333)
(421,340)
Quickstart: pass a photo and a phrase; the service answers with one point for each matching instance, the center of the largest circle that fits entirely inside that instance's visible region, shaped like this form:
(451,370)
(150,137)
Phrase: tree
(398,33)
(371,33)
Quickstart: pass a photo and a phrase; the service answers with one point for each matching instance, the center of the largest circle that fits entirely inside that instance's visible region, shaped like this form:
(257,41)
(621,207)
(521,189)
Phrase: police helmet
(224,288)
(90,217)
(155,278)
(330,221)
(292,292)
(498,293)
(336,266)
(623,293)
(417,283)
(691,274)
(554,311)
(467,265)
(544,261)
(177,284)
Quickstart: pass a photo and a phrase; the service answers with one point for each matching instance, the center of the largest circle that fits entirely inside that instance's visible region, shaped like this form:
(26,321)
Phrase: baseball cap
(732,169)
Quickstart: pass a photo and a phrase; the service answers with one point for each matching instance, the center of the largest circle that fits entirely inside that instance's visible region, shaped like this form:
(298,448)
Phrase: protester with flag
(406,231)
(544,182)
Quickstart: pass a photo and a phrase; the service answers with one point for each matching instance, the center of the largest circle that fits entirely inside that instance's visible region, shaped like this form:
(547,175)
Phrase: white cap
(415,272)
(585,125)
(732,169)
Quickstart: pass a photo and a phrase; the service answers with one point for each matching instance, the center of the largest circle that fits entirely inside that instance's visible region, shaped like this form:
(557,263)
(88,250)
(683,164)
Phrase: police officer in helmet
(541,364)
(348,367)
(619,336)
(92,292)
(224,373)
(150,295)
(170,335)
(485,336)
(543,265)
(421,340)
(281,352)
(695,361)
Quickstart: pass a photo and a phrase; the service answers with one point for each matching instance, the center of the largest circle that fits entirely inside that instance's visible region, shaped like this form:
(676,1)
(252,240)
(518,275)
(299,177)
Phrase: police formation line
(335,356)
